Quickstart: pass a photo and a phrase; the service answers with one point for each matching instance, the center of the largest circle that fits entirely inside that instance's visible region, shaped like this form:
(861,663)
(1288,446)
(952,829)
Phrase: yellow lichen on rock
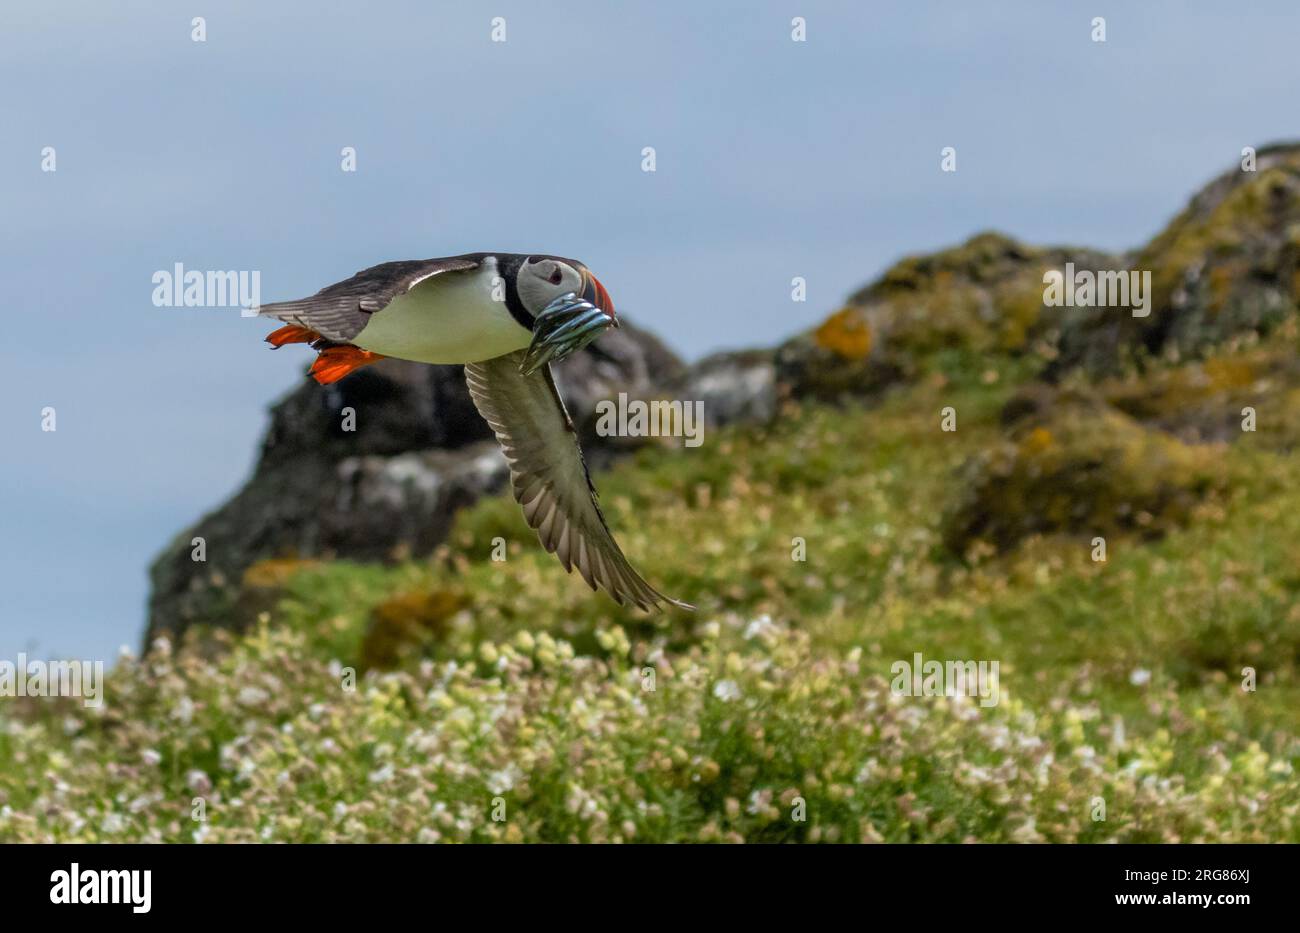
(274,572)
(845,333)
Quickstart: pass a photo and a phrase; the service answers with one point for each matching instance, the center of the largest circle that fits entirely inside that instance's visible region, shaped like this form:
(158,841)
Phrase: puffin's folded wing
(550,478)
(339,311)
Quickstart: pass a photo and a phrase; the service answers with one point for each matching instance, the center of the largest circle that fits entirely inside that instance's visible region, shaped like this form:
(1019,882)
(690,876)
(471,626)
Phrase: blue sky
(774,159)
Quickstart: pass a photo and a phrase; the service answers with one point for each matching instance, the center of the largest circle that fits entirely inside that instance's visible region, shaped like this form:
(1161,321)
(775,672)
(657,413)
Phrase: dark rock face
(735,387)
(400,406)
(388,487)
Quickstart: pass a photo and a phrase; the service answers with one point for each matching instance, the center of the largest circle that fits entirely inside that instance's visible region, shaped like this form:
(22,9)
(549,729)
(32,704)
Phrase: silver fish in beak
(567,325)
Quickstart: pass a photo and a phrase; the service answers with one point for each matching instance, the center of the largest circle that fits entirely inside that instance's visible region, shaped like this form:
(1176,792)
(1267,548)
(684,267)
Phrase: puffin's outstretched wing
(550,478)
(338,312)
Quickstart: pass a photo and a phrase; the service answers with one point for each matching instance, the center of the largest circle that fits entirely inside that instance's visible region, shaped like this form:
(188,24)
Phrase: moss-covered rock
(1208,400)
(404,625)
(1077,466)
(983,296)
(1227,265)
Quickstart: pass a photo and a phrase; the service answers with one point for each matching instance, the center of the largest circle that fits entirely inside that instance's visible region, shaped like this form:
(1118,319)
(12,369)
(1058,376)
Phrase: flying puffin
(482,310)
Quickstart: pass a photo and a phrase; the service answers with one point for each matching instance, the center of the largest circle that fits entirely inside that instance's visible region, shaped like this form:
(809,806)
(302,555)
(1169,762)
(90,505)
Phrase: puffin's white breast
(451,317)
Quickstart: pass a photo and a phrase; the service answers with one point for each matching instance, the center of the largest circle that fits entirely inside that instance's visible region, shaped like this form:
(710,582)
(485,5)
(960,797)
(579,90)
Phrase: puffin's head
(542,279)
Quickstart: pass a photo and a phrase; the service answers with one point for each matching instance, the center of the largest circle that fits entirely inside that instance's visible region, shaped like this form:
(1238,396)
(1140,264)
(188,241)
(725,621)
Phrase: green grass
(1121,681)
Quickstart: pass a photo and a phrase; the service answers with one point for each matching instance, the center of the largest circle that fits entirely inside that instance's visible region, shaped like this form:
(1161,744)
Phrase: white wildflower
(253,696)
(198,782)
(726,690)
(761,627)
(184,711)
(499,782)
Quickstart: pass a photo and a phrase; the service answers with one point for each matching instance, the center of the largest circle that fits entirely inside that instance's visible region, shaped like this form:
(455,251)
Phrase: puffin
(505,317)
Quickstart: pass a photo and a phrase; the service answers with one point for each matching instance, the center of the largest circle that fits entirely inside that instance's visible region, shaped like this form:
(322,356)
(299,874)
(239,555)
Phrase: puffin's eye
(555,276)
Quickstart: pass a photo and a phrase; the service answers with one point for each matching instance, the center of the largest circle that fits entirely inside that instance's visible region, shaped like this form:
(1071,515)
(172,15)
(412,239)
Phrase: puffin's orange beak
(594,292)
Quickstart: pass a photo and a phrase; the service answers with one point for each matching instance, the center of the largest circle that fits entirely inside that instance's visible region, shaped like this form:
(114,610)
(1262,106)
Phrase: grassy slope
(533,700)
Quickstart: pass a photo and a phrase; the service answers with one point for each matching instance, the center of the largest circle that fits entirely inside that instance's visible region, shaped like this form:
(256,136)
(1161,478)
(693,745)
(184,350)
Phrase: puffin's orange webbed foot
(291,334)
(336,362)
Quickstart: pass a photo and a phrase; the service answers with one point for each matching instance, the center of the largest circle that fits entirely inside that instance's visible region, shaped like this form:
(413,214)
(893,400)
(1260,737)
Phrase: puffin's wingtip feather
(550,481)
